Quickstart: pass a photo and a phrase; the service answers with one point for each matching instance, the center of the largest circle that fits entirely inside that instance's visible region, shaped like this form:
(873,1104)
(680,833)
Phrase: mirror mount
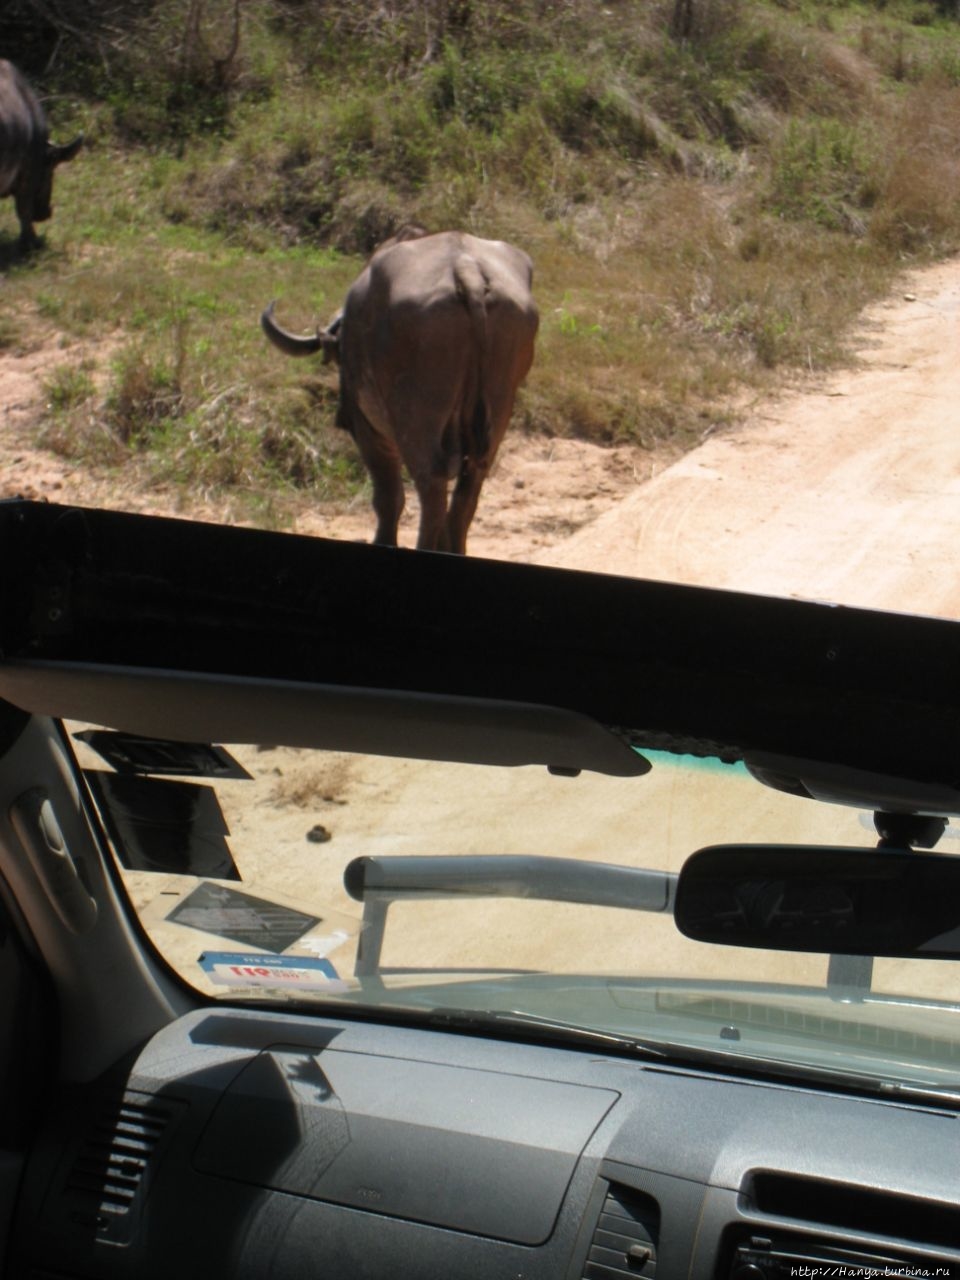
(906,830)
(849,977)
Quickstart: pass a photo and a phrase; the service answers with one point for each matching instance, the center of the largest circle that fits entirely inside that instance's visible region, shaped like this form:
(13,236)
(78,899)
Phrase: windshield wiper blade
(897,1089)
(794,1072)
(683,1056)
(545,1029)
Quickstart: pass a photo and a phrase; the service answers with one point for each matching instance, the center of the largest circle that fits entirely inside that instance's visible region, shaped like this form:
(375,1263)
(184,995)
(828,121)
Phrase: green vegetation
(711,190)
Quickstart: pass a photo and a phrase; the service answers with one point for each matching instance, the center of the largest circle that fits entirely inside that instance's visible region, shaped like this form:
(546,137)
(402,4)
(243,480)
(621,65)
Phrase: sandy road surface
(848,493)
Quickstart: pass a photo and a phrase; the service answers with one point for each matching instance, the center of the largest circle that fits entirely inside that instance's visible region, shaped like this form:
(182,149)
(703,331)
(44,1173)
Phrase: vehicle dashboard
(262,1143)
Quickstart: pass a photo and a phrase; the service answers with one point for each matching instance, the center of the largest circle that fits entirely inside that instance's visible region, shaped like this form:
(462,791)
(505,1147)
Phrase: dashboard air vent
(107,1179)
(853,1208)
(113,1160)
(625,1241)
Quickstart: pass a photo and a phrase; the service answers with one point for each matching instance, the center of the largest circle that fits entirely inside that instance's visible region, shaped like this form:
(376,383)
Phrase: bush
(918,209)
(825,172)
(145,398)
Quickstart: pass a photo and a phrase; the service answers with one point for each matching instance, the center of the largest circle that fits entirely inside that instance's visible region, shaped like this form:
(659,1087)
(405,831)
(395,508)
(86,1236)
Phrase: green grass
(707,215)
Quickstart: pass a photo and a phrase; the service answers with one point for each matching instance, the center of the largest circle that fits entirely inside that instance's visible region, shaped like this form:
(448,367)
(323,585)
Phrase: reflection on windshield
(441,886)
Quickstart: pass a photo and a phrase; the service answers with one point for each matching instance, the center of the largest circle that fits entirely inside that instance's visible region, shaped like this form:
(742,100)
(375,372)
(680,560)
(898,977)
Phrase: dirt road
(849,492)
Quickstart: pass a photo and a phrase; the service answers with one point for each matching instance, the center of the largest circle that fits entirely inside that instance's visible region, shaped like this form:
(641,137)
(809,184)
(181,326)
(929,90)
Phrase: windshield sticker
(240,969)
(160,825)
(130,753)
(255,922)
(321,944)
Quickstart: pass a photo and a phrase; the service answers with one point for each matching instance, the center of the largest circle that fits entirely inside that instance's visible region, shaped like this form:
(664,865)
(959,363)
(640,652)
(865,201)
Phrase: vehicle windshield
(495,891)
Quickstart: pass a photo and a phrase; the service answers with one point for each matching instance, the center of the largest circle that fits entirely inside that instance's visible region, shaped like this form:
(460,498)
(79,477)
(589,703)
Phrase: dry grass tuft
(920,195)
(308,785)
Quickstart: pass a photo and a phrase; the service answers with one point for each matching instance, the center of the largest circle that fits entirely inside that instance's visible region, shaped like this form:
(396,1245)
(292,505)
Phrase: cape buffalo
(434,338)
(27,156)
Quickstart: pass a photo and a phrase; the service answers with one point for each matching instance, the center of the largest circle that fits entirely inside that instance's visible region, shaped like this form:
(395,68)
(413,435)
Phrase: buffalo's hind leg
(382,461)
(29,240)
(463,503)
(432,492)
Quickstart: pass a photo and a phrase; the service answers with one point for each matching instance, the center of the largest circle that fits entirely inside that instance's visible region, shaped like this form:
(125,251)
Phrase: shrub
(145,396)
(826,172)
(918,208)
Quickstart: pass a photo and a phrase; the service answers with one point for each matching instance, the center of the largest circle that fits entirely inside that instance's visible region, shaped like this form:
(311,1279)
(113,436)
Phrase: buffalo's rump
(437,335)
(23,130)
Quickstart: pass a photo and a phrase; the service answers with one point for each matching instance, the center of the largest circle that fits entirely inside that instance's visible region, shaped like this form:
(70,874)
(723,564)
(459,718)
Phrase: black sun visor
(206,633)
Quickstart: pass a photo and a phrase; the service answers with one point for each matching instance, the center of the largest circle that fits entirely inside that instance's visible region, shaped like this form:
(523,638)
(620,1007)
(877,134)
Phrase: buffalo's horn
(290,343)
(60,152)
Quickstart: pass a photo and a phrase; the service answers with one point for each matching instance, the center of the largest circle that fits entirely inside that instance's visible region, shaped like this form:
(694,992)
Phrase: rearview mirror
(838,901)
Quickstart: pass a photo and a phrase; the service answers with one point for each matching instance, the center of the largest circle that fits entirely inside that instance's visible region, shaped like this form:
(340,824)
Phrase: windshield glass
(490,891)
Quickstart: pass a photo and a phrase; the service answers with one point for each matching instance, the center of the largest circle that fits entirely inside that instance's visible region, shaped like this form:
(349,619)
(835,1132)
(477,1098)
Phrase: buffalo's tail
(472,287)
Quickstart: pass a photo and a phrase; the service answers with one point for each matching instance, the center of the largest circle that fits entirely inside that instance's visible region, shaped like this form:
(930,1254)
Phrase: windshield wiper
(542,1028)
(670,1054)
(793,1072)
(661,1054)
